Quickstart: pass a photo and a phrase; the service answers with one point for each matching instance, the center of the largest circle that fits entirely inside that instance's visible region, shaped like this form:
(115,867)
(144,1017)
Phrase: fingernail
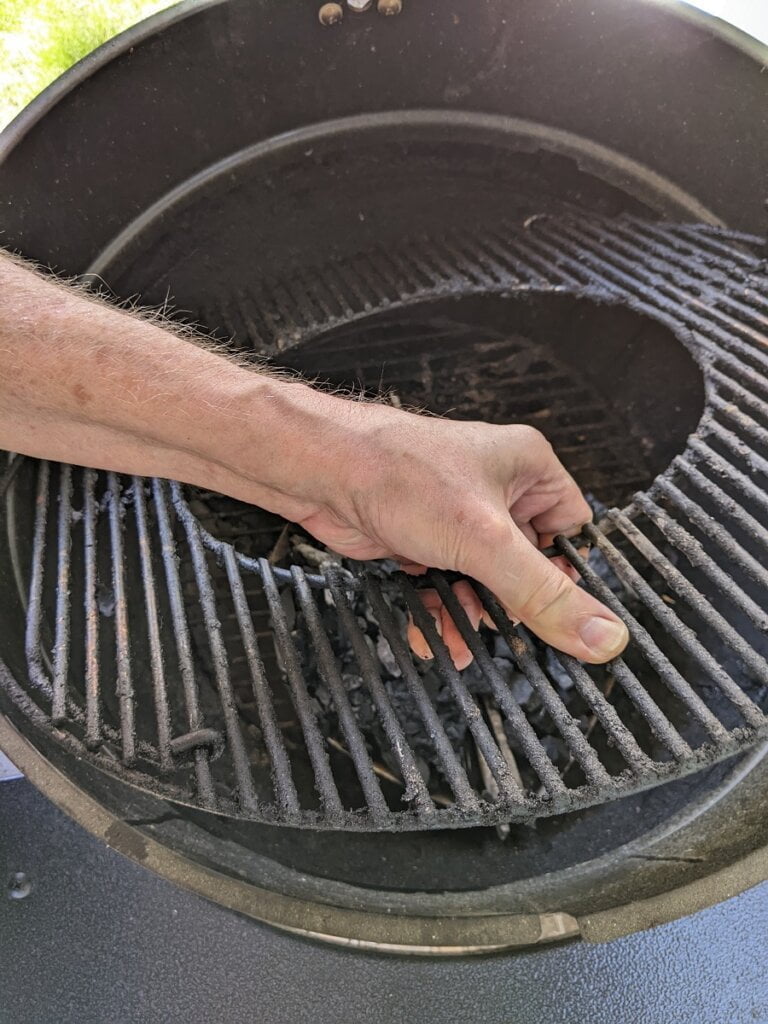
(438,622)
(606,638)
(462,661)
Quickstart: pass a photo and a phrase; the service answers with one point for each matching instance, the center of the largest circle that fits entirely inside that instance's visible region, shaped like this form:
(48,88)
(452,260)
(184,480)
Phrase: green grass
(40,39)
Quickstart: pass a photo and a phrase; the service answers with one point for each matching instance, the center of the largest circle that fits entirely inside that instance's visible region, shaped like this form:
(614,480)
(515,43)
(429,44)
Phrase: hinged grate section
(181,664)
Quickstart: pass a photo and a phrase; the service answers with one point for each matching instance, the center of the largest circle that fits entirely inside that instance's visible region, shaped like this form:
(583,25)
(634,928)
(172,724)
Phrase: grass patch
(40,39)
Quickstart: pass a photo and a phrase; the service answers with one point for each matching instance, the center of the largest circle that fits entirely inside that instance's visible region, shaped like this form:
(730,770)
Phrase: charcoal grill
(208,679)
(688,550)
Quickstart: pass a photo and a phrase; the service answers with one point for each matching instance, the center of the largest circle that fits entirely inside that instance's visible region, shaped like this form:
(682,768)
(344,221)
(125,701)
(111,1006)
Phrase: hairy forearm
(82,381)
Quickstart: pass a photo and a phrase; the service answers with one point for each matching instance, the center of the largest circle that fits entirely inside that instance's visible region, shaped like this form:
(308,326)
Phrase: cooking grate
(121,579)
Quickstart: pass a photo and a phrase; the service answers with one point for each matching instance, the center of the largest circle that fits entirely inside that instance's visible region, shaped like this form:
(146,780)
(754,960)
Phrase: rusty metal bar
(125,694)
(521,651)
(159,683)
(415,788)
(664,668)
(63,609)
(449,763)
(325,783)
(533,750)
(183,646)
(282,779)
(330,672)
(93,736)
(694,551)
(237,751)
(32,637)
(683,635)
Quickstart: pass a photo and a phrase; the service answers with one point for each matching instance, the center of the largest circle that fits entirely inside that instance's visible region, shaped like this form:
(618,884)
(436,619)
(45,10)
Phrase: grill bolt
(330,14)
(19,886)
(359,5)
(389,7)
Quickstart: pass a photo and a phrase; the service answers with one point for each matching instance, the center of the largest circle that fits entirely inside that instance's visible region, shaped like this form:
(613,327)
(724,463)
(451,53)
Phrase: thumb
(545,599)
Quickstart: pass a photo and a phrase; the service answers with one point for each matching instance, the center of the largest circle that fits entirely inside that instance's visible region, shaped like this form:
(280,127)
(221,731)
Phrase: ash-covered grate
(167,643)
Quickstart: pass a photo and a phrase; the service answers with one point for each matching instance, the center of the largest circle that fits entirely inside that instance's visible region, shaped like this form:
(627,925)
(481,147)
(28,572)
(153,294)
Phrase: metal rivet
(330,14)
(19,886)
(389,7)
(359,5)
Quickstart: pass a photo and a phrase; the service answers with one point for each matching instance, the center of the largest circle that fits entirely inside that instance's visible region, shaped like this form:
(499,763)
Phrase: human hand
(480,499)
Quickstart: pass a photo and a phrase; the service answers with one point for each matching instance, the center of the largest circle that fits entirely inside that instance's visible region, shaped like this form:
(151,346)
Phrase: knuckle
(531,437)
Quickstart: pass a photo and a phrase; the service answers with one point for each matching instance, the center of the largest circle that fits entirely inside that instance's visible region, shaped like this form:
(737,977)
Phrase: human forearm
(85,382)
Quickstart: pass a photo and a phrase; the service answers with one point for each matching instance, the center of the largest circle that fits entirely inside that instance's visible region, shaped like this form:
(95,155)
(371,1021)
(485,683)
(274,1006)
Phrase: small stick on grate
(384,773)
(592,722)
(497,728)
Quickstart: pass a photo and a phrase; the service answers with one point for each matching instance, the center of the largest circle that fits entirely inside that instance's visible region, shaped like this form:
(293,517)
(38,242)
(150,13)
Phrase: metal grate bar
(533,750)
(751,566)
(302,295)
(734,444)
(522,652)
(183,647)
(740,420)
(35,593)
(324,781)
(62,614)
(655,717)
(383,296)
(240,303)
(752,402)
(683,635)
(683,255)
(712,324)
(449,763)
(237,750)
(474,267)
(415,789)
(707,241)
(717,464)
(282,778)
(93,736)
(644,286)
(537,756)
(410,265)
(159,684)
(681,271)
(332,678)
(693,550)
(731,509)
(529,252)
(667,672)
(340,290)
(483,256)
(8,475)
(354,286)
(521,262)
(124,681)
(606,714)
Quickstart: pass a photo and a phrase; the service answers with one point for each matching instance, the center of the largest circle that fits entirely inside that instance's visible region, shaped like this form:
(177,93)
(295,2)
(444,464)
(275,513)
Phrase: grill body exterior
(604,227)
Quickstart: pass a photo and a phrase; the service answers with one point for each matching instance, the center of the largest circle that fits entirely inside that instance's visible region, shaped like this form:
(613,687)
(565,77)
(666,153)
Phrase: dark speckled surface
(101,941)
